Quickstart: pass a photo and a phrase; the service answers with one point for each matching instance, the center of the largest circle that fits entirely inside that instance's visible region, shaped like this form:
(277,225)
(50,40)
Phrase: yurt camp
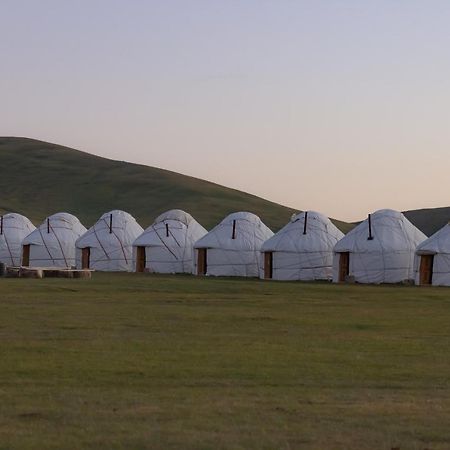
(302,249)
(108,244)
(167,246)
(378,250)
(13,230)
(232,248)
(432,262)
(52,244)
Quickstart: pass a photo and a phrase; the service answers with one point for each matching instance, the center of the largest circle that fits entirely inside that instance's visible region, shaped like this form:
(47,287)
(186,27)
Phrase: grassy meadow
(129,361)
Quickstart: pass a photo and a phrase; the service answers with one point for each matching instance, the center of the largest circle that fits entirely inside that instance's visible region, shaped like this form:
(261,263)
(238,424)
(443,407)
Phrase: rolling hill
(429,220)
(39,178)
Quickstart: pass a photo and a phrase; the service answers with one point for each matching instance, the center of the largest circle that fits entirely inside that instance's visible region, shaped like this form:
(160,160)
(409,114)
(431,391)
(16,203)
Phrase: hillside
(38,178)
(429,220)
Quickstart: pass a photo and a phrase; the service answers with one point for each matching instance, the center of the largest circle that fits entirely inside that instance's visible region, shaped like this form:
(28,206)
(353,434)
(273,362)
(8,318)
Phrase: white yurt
(14,228)
(432,261)
(52,244)
(378,250)
(167,246)
(302,249)
(108,245)
(233,247)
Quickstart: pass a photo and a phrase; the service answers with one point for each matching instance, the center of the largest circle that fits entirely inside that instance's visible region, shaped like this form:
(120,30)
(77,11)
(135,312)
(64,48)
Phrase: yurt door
(140,259)
(426,269)
(344,265)
(85,257)
(201,261)
(26,255)
(268,265)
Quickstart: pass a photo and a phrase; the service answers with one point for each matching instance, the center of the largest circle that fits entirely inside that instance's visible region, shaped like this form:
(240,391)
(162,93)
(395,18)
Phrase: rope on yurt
(59,243)
(45,244)
(98,240)
(163,243)
(120,242)
(9,249)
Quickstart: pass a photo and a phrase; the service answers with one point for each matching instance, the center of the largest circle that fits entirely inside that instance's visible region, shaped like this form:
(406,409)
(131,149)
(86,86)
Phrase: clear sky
(338,106)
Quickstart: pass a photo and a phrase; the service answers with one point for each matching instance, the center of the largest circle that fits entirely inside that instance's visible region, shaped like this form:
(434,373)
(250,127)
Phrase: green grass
(140,361)
(38,179)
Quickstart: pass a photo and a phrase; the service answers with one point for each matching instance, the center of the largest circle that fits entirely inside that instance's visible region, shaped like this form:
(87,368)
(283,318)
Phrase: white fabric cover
(57,247)
(15,228)
(388,257)
(298,256)
(110,252)
(234,257)
(173,253)
(439,246)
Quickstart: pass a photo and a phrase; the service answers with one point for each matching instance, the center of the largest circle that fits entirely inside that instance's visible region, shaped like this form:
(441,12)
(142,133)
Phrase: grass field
(139,361)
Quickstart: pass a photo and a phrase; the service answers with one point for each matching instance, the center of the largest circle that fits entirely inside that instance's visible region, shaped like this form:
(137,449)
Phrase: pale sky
(338,106)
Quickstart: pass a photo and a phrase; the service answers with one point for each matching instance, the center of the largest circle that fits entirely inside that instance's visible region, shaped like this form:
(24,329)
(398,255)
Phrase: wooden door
(26,255)
(85,257)
(268,265)
(426,269)
(140,259)
(202,261)
(344,265)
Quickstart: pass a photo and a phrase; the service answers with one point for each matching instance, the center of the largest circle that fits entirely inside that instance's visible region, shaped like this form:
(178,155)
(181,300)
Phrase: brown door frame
(26,255)
(344,265)
(141,259)
(268,265)
(85,257)
(202,261)
(426,270)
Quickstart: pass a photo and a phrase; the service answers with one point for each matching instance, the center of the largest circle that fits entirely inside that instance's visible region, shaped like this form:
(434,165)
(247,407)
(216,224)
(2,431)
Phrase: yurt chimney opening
(48,225)
(370,238)
(233,236)
(110,223)
(167,230)
(305,222)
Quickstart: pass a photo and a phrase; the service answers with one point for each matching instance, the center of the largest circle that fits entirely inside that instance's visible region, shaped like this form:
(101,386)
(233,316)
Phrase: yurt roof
(251,232)
(15,220)
(319,234)
(183,228)
(390,231)
(60,221)
(439,242)
(175,214)
(124,226)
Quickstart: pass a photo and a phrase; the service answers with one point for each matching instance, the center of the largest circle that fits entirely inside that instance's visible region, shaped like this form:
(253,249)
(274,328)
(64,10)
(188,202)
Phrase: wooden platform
(46,272)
